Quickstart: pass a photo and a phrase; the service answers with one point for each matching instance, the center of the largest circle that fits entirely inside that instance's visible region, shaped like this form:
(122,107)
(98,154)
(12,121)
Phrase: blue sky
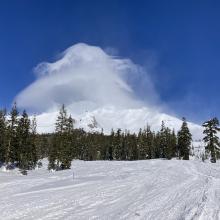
(177,41)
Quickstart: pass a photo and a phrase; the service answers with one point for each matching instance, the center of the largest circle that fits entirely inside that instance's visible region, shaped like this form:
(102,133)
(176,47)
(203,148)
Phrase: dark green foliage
(3,126)
(116,146)
(149,142)
(111,145)
(117,143)
(60,152)
(163,144)
(211,139)
(17,140)
(132,147)
(23,148)
(26,149)
(184,139)
(32,148)
(173,144)
(12,147)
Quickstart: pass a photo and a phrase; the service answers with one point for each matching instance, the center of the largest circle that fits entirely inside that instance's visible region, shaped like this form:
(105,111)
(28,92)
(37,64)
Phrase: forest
(22,147)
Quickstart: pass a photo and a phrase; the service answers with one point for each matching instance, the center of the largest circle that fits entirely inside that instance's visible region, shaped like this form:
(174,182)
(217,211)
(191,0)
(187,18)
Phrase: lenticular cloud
(84,78)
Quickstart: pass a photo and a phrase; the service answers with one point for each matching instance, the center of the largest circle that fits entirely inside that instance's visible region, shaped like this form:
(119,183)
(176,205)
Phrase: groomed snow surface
(152,189)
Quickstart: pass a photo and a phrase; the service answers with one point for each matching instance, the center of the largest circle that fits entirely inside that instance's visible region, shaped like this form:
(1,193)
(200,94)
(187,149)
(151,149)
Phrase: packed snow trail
(153,189)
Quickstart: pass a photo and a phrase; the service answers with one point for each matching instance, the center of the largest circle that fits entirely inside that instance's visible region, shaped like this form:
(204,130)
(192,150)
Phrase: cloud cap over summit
(85,77)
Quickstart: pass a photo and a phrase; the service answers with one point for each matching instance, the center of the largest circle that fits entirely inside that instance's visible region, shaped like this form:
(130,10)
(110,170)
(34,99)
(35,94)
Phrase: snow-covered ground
(153,189)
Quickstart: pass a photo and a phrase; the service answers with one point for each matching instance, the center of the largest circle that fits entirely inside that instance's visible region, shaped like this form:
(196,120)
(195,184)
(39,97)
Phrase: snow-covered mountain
(98,91)
(108,118)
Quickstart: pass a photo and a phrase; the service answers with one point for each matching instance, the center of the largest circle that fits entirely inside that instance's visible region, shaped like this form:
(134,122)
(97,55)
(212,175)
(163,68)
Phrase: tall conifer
(211,139)
(184,141)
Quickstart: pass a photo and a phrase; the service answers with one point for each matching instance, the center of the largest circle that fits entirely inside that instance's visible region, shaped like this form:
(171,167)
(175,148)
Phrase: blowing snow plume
(94,87)
(85,78)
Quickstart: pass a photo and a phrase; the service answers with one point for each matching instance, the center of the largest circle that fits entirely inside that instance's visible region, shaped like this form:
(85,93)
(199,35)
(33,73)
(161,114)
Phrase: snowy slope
(126,119)
(154,190)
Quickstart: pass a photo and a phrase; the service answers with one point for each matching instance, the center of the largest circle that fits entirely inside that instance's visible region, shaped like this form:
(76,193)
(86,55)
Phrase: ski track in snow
(111,190)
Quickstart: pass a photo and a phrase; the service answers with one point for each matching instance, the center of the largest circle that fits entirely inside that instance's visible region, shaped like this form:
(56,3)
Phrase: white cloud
(85,78)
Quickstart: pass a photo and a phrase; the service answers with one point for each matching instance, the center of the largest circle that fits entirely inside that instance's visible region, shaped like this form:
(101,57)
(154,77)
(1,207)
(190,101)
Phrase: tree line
(21,146)
(17,140)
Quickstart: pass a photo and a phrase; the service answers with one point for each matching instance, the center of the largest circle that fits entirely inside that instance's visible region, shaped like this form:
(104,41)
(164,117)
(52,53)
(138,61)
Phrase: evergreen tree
(79,143)
(149,143)
(132,146)
(68,143)
(124,149)
(211,139)
(3,126)
(53,154)
(60,153)
(33,156)
(104,146)
(24,142)
(163,141)
(156,144)
(142,145)
(168,148)
(62,121)
(111,145)
(184,141)
(145,144)
(117,145)
(12,137)
(173,144)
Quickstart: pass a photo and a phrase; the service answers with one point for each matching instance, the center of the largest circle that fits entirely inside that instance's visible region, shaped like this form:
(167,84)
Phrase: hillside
(110,117)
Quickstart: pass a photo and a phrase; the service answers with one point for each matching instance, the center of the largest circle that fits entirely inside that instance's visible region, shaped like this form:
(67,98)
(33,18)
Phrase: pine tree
(68,142)
(117,145)
(111,145)
(62,120)
(60,137)
(168,148)
(53,154)
(145,144)
(163,141)
(156,144)
(211,139)
(60,153)
(3,126)
(149,143)
(124,149)
(173,144)
(184,141)
(132,146)
(23,148)
(104,146)
(142,145)
(33,144)
(55,151)
(12,137)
